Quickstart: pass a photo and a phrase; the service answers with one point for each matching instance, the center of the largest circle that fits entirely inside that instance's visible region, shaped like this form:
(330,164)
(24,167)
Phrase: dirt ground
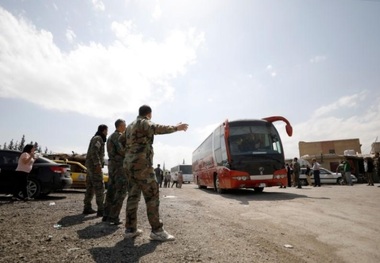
(326,224)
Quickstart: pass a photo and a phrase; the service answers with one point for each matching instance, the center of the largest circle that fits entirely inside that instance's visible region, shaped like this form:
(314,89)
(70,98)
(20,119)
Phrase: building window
(331,151)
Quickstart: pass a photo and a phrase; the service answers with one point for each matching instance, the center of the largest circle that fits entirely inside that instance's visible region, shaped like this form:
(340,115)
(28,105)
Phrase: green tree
(22,143)
(15,147)
(11,145)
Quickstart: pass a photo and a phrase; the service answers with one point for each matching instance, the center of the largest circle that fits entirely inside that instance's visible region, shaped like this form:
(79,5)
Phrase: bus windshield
(256,138)
(186,169)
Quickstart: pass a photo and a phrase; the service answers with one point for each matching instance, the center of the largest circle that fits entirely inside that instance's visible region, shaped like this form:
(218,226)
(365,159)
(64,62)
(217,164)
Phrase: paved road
(326,224)
(343,220)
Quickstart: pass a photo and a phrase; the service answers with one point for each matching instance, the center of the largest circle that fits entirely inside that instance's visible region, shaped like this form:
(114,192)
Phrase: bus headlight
(240,178)
(282,176)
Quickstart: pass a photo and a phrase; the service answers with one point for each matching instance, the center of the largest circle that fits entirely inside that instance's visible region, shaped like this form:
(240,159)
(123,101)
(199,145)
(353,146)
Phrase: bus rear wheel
(200,186)
(217,186)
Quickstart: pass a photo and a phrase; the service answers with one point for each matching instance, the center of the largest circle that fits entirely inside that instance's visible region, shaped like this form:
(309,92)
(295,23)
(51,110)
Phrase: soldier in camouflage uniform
(94,164)
(376,166)
(117,182)
(138,163)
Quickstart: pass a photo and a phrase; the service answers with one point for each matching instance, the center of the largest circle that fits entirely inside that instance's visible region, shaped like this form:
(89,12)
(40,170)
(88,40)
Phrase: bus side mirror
(289,130)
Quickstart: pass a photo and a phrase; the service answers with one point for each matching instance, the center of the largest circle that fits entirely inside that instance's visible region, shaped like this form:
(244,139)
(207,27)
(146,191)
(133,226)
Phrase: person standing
(293,182)
(24,166)
(340,170)
(347,171)
(138,163)
(159,175)
(368,168)
(167,180)
(296,171)
(376,165)
(94,179)
(308,174)
(175,180)
(289,174)
(117,182)
(316,166)
(180,179)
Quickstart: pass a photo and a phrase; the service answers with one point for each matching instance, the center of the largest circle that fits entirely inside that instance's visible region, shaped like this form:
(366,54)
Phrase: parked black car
(45,177)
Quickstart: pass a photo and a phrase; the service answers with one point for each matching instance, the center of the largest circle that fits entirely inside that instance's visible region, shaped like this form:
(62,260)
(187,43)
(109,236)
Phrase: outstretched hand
(182,126)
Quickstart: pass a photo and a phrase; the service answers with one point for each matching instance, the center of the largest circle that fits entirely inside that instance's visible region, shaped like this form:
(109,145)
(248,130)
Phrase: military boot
(88,211)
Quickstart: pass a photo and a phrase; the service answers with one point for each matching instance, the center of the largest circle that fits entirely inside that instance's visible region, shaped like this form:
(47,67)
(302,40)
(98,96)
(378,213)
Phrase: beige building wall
(329,147)
(328,153)
(375,147)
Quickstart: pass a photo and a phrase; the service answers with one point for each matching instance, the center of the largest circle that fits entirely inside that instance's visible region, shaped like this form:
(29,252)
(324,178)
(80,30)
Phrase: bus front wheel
(259,189)
(217,186)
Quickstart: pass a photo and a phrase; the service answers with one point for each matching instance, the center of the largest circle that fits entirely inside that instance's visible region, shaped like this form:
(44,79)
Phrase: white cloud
(171,155)
(89,79)
(344,102)
(157,12)
(98,5)
(70,35)
(321,127)
(318,59)
(271,71)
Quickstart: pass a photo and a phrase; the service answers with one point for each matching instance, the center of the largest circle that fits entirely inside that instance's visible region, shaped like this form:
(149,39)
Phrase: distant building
(375,147)
(329,153)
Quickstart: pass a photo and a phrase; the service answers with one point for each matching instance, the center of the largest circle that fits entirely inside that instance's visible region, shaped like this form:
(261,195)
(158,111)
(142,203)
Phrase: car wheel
(33,188)
(258,189)
(217,186)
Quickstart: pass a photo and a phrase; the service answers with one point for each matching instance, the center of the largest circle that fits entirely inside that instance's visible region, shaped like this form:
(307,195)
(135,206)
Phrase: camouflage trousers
(143,181)
(116,190)
(94,186)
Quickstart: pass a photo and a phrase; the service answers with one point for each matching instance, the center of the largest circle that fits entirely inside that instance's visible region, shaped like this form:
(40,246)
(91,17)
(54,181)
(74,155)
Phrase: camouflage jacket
(296,168)
(139,137)
(115,150)
(95,152)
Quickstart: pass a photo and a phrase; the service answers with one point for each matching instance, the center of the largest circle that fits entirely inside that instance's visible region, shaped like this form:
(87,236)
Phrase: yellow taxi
(78,173)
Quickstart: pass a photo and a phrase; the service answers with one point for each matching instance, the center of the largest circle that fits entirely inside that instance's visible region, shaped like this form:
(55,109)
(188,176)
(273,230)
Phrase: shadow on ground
(246,195)
(124,251)
(75,220)
(98,230)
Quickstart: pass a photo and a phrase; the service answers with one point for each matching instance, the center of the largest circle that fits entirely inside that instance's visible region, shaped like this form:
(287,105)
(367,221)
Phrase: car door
(327,177)
(8,165)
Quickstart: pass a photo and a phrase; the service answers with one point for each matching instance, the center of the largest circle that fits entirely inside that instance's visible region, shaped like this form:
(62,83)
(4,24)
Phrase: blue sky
(67,66)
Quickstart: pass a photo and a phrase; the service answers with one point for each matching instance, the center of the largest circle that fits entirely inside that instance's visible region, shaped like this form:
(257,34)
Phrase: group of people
(371,167)
(294,170)
(176,180)
(130,169)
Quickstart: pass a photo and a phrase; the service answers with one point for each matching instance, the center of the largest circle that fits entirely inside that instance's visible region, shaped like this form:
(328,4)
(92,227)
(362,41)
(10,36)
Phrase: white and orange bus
(242,154)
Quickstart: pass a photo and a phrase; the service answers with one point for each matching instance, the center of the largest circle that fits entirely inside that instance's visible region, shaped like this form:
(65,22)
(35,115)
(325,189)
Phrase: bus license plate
(262,185)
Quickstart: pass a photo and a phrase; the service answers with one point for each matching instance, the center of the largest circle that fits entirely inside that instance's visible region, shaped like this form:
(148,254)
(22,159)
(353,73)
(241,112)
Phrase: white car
(327,177)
